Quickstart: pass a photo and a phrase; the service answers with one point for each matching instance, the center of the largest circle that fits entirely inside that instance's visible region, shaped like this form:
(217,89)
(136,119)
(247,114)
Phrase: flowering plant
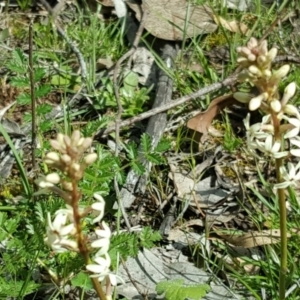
(64,232)
(276,136)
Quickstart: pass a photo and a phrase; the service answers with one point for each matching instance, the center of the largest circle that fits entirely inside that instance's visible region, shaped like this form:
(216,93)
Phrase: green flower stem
(282,216)
(283,234)
(81,239)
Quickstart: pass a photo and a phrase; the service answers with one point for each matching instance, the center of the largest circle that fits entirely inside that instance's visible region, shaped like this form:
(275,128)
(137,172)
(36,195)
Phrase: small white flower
(68,212)
(291,110)
(290,175)
(99,207)
(58,232)
(271,149)
(294,131)
(295,141)
(103,241)
(101,270)
(254,131)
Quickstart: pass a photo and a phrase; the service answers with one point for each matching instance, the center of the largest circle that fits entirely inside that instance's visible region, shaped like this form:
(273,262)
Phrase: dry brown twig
(229,81)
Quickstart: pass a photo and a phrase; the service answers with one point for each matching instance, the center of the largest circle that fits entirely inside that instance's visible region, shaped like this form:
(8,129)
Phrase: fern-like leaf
(176,289)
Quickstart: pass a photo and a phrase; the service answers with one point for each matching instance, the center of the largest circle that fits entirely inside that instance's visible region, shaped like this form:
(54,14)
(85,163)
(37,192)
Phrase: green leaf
(20,81)
(42,90)
(149,237)
(12,224)
(45,126)
(155,158)
(82,280)
(60,80)
(4,34)
(124,244)
(146,142)
(19,57)
(162,146)
(18,62)
(132,150)
(176,289)
(131,80)
(39,73)
(43,109)
(138,167)
(13,288)
(24,99)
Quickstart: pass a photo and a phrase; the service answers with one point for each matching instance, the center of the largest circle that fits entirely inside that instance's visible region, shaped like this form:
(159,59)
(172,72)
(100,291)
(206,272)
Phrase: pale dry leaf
(202,121)
(108,3)
(241,5)
(232,26)
(143,62)
(5,109)
(104,63)
(174,20)
(253,239)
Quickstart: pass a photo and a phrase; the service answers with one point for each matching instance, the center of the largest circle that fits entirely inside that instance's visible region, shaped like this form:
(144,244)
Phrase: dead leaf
(168,19)
(253,239)
(202,121)
(232,26)
(108,3)
(104,63)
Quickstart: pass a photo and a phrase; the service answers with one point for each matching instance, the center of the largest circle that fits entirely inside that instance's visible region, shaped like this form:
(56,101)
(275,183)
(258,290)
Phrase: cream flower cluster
(70,161)
(277,136)
(101,267)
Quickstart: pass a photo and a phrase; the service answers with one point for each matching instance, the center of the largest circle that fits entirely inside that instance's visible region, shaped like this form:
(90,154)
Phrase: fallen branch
(174,103)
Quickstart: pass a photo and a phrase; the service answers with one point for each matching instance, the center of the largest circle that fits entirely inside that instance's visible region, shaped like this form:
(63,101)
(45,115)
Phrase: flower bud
(291,110)
(282,72)
(275,105)
(67,185)
(57,146)
(290,89)
(90,158)
(267,73)
(261,59)
(75,167)
(245,51)
(53,178)
(289,92)
(51,158)
(252,43)
(251,57)
(75,137)
(80,142)
(67,141)
(254,70)
(242,61)
(263,48)
(255,102)
(87,143)
(66,159)
(272,54)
